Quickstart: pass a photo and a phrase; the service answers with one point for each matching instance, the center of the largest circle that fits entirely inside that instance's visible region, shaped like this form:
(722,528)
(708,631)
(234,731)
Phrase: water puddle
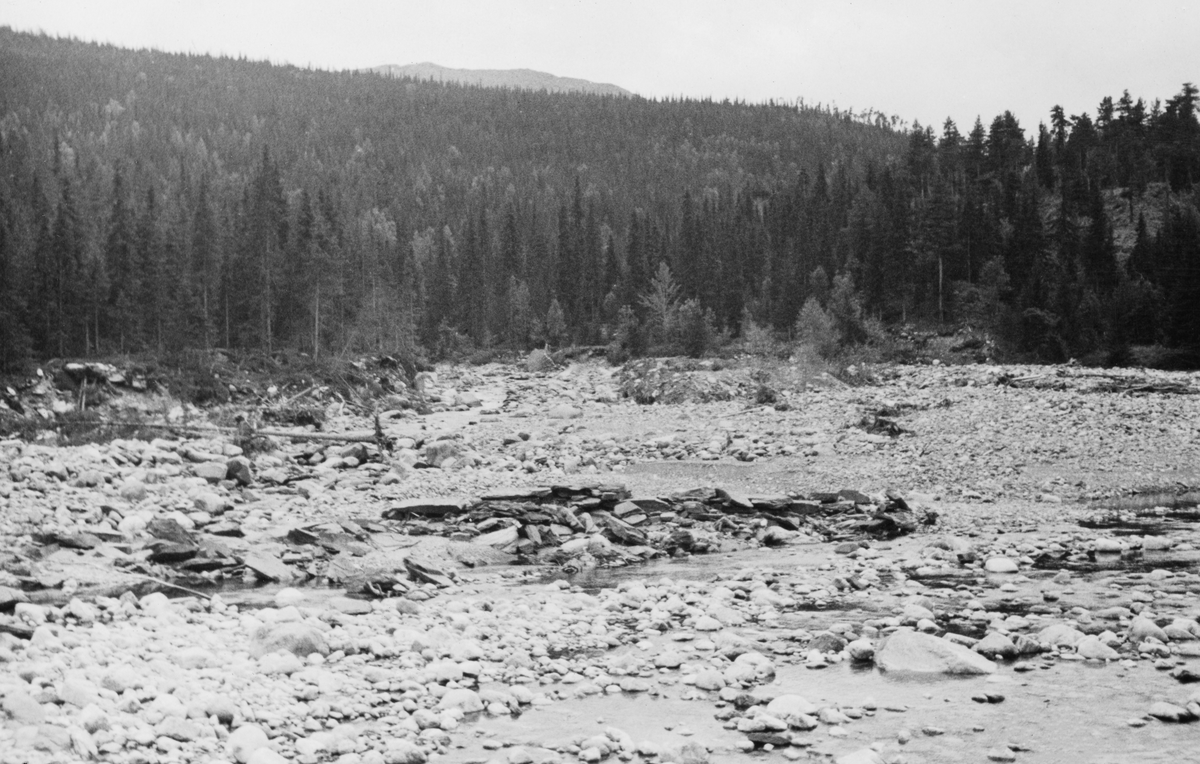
(949,579)
(1140,562)
(1154,514)
(700,567)
(1153,524)
(666,722)
(1071,712)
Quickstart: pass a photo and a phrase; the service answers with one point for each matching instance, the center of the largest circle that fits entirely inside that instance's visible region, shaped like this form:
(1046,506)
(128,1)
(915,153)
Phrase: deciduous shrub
(815,329)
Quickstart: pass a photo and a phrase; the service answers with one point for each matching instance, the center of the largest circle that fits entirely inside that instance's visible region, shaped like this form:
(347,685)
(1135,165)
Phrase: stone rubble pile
(200,511)
(673,381)
(60,388)
(65,388)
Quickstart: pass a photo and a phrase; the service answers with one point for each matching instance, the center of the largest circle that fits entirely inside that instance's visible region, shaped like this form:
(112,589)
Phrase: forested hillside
(517,79)
(155,202)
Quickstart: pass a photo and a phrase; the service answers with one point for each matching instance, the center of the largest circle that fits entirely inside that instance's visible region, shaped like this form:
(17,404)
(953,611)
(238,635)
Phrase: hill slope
(200,201)
(153,201)
(520,79)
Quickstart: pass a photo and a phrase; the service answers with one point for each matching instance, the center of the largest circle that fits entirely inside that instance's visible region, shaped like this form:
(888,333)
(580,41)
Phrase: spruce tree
(41,318)
(152,295)
(473,279)
(15,343)
(205,265)
(124,292)
(637,271)
(519,324)
(266,233)
(441,288)
(1098,253)
(1044,158)
(975,151)
(511,260)
(68,311)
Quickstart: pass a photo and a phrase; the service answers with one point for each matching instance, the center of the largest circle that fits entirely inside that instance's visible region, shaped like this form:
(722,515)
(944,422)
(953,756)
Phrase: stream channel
(1054,709)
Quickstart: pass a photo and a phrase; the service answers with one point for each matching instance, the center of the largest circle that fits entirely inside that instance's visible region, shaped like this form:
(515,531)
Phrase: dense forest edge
(155,203)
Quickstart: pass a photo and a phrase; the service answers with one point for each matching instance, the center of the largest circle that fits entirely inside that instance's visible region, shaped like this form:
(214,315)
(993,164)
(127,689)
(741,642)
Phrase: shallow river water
(1061,711)
(1070,713)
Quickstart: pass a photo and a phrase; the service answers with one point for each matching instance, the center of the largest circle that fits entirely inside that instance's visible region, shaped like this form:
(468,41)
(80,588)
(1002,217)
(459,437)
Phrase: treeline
(153,202)
(1016,236)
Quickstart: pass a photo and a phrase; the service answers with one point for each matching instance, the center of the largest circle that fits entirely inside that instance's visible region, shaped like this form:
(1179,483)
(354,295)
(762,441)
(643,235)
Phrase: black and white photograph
(601,381)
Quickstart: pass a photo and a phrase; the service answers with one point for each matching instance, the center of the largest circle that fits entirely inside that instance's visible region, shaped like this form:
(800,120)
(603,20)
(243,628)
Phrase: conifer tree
(1179,251)
(635,262)
(473,278)
(511,260)
(556,324)
(1044,158)
(181,314)
(1143,260)
(1180,134)
(15,344)
(205,264)
(68,310)
(151,281)
(42,303)
(519,324)
(441,287)
(591,273)
(124,291)
(266,234)
(1098,253)
(975,151)
(612,267)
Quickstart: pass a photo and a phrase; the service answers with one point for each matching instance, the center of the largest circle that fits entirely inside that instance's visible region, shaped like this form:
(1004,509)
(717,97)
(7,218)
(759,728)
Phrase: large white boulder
(911,651)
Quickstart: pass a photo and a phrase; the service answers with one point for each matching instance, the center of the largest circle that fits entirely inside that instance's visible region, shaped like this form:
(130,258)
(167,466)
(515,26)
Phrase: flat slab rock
(269,567)
(436,507)
(908,651)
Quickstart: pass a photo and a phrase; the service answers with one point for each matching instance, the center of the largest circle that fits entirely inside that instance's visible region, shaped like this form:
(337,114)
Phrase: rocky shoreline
(1003,551)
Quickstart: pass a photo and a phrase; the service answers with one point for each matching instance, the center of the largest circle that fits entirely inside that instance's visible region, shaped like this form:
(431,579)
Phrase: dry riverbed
(1016,605)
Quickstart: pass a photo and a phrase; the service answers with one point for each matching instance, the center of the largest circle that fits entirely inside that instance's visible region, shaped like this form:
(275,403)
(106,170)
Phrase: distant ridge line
(521,79)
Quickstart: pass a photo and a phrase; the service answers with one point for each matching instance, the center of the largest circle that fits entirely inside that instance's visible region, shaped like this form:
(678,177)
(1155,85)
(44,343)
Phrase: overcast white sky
(922,59)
